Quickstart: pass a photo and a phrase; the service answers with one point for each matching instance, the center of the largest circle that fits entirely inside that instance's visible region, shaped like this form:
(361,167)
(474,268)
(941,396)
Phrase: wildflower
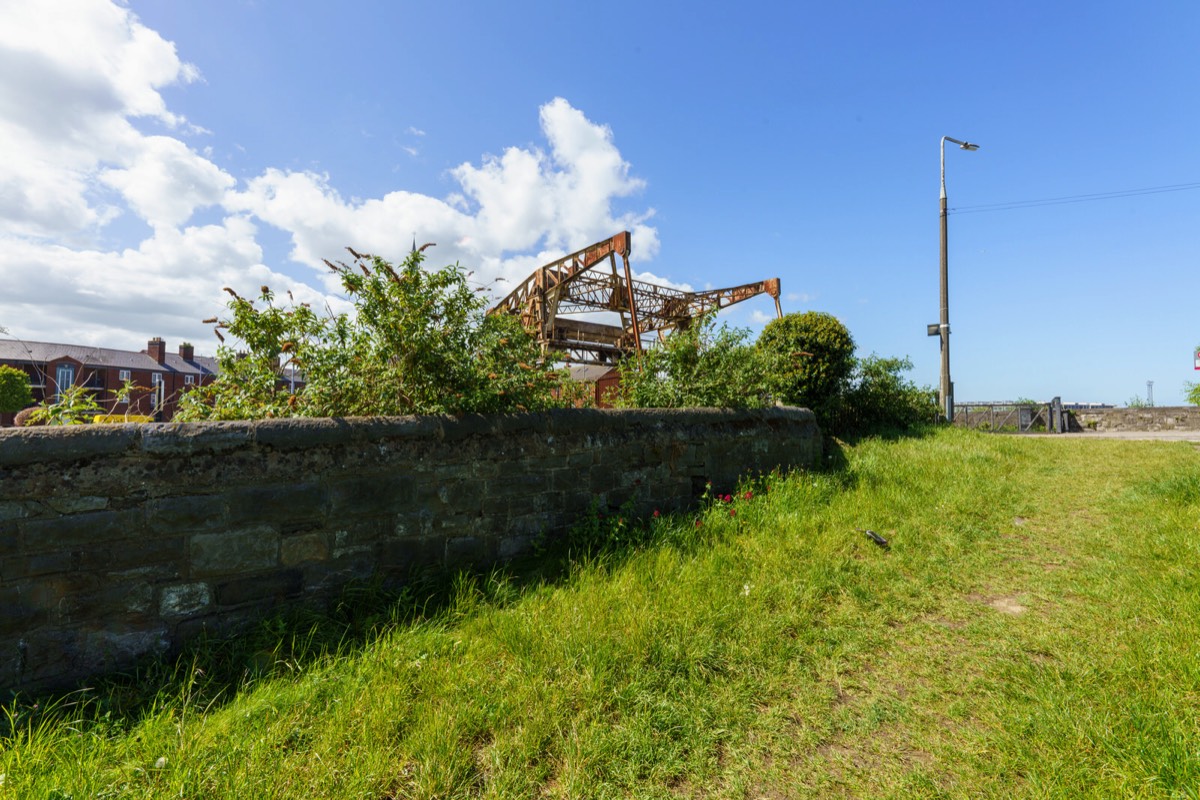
(745,590)
(747,495)
(656,513)
(699,523)
(728,498)
(733,512)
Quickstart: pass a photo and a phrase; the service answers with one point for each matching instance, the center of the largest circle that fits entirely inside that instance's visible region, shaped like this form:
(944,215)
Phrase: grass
(1031,632)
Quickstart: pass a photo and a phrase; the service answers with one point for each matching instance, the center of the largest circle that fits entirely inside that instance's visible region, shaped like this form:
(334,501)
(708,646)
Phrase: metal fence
(1013,417)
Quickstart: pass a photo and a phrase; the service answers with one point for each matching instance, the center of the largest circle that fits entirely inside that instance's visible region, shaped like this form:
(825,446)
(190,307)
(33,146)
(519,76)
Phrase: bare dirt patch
(1007,605)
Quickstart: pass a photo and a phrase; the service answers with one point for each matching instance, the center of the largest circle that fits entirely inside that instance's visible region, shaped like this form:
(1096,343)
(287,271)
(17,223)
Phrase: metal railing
(1013,417)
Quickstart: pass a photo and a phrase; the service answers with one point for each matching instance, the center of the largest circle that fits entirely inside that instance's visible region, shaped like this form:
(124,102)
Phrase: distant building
(162,377)
(601,378)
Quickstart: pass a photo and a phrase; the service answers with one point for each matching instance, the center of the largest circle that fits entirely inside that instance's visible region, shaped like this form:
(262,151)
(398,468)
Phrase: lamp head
(968,146)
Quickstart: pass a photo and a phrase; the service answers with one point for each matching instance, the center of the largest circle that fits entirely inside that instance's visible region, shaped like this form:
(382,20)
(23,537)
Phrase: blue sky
(157,151)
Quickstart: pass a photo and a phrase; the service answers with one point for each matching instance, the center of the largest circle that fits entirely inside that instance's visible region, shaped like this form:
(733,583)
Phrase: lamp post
(945,387)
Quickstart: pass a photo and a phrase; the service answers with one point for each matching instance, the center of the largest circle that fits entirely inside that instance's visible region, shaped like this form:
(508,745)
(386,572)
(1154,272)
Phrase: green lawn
(1032,632)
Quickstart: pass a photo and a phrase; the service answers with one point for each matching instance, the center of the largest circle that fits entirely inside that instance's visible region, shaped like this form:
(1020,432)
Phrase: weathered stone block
(466,551)
(54,444)
(73,505)
(303,547)
(277,585)
(81,529)
(294,501)
(244,550)
(183,439)
(12,511)
(371,495)
(166,553)
(184,600)
(189,512)
(403,555)
(303,434)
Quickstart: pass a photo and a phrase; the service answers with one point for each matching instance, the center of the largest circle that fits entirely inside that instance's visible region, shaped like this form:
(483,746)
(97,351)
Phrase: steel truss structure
(577,284)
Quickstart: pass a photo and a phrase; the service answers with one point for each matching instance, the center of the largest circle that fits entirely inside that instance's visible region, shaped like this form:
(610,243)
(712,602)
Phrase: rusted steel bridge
(579,283)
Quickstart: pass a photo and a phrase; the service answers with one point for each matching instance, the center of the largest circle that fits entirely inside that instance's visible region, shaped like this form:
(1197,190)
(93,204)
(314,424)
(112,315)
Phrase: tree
(698,366)
(15,392)
(809,358)
(880,399)
(417,342)
(1192,391)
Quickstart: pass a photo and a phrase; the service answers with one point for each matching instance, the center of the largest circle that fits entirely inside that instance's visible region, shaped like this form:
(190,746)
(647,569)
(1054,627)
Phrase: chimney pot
(186,351)
(157,349)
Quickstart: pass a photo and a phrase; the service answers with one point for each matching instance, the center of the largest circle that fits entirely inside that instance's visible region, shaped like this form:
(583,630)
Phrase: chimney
(157,349)
(186,351)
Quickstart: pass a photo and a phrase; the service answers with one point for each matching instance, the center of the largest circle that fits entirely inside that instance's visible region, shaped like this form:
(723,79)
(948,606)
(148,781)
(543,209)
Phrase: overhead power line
(1076,198)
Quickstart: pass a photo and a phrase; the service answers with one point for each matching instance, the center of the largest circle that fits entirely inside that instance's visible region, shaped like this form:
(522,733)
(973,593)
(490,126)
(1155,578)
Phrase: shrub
(698,366)
(880,399)
(809,358)
(1192,392)
(418,342)
(15,392)
(74,405)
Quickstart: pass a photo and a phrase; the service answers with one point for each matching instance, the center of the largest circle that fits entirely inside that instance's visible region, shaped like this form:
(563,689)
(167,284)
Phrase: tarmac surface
(1157,436)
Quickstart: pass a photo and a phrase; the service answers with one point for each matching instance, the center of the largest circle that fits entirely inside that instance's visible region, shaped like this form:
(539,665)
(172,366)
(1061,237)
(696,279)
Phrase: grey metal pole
(945,396)
(945,385)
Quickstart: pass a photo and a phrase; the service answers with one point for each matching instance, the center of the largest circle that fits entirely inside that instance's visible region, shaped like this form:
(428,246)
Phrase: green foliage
(810,359)
(75,405)
(418,342)
(880,399)
(1136,402)
(1192,392)
(15,392)
(699,366)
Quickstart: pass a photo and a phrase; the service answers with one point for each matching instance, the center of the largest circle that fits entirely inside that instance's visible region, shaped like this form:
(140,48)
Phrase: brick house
(162,376)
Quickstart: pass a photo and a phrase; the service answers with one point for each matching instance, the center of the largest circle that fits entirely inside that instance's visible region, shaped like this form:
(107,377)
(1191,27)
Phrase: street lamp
(945,387)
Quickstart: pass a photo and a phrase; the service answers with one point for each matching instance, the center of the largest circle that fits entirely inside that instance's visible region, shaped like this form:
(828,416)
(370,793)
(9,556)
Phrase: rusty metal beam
(570,285)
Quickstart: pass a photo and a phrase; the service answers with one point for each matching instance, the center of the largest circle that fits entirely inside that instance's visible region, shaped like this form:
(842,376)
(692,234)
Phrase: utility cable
(1078,198)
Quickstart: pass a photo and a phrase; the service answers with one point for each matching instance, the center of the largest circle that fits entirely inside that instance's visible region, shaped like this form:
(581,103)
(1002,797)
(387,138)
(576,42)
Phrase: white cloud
(166,181)
(514,212)
(80,73)
(760,317)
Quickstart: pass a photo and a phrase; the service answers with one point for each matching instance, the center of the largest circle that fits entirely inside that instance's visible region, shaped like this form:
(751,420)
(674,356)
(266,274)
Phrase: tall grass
(1030,631)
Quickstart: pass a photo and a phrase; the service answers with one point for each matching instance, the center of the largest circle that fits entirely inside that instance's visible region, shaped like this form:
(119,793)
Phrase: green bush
(809,358)
(880,399)
(418,342)
(74,405)
(1192,391)
(698,366)
(15,392)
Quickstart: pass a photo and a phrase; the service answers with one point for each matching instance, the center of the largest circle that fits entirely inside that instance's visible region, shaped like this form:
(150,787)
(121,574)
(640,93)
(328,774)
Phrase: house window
(156,384)
(123,375)
(64,377)
(189,379)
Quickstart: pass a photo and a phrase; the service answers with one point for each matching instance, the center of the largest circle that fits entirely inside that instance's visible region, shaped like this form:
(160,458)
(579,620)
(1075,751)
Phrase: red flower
(728,499)
(656,513)
(747,495)
(699,523)
(733,512)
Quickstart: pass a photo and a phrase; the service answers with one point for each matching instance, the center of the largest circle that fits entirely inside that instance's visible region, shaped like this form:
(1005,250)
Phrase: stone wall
(1179,418)
(118,541)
